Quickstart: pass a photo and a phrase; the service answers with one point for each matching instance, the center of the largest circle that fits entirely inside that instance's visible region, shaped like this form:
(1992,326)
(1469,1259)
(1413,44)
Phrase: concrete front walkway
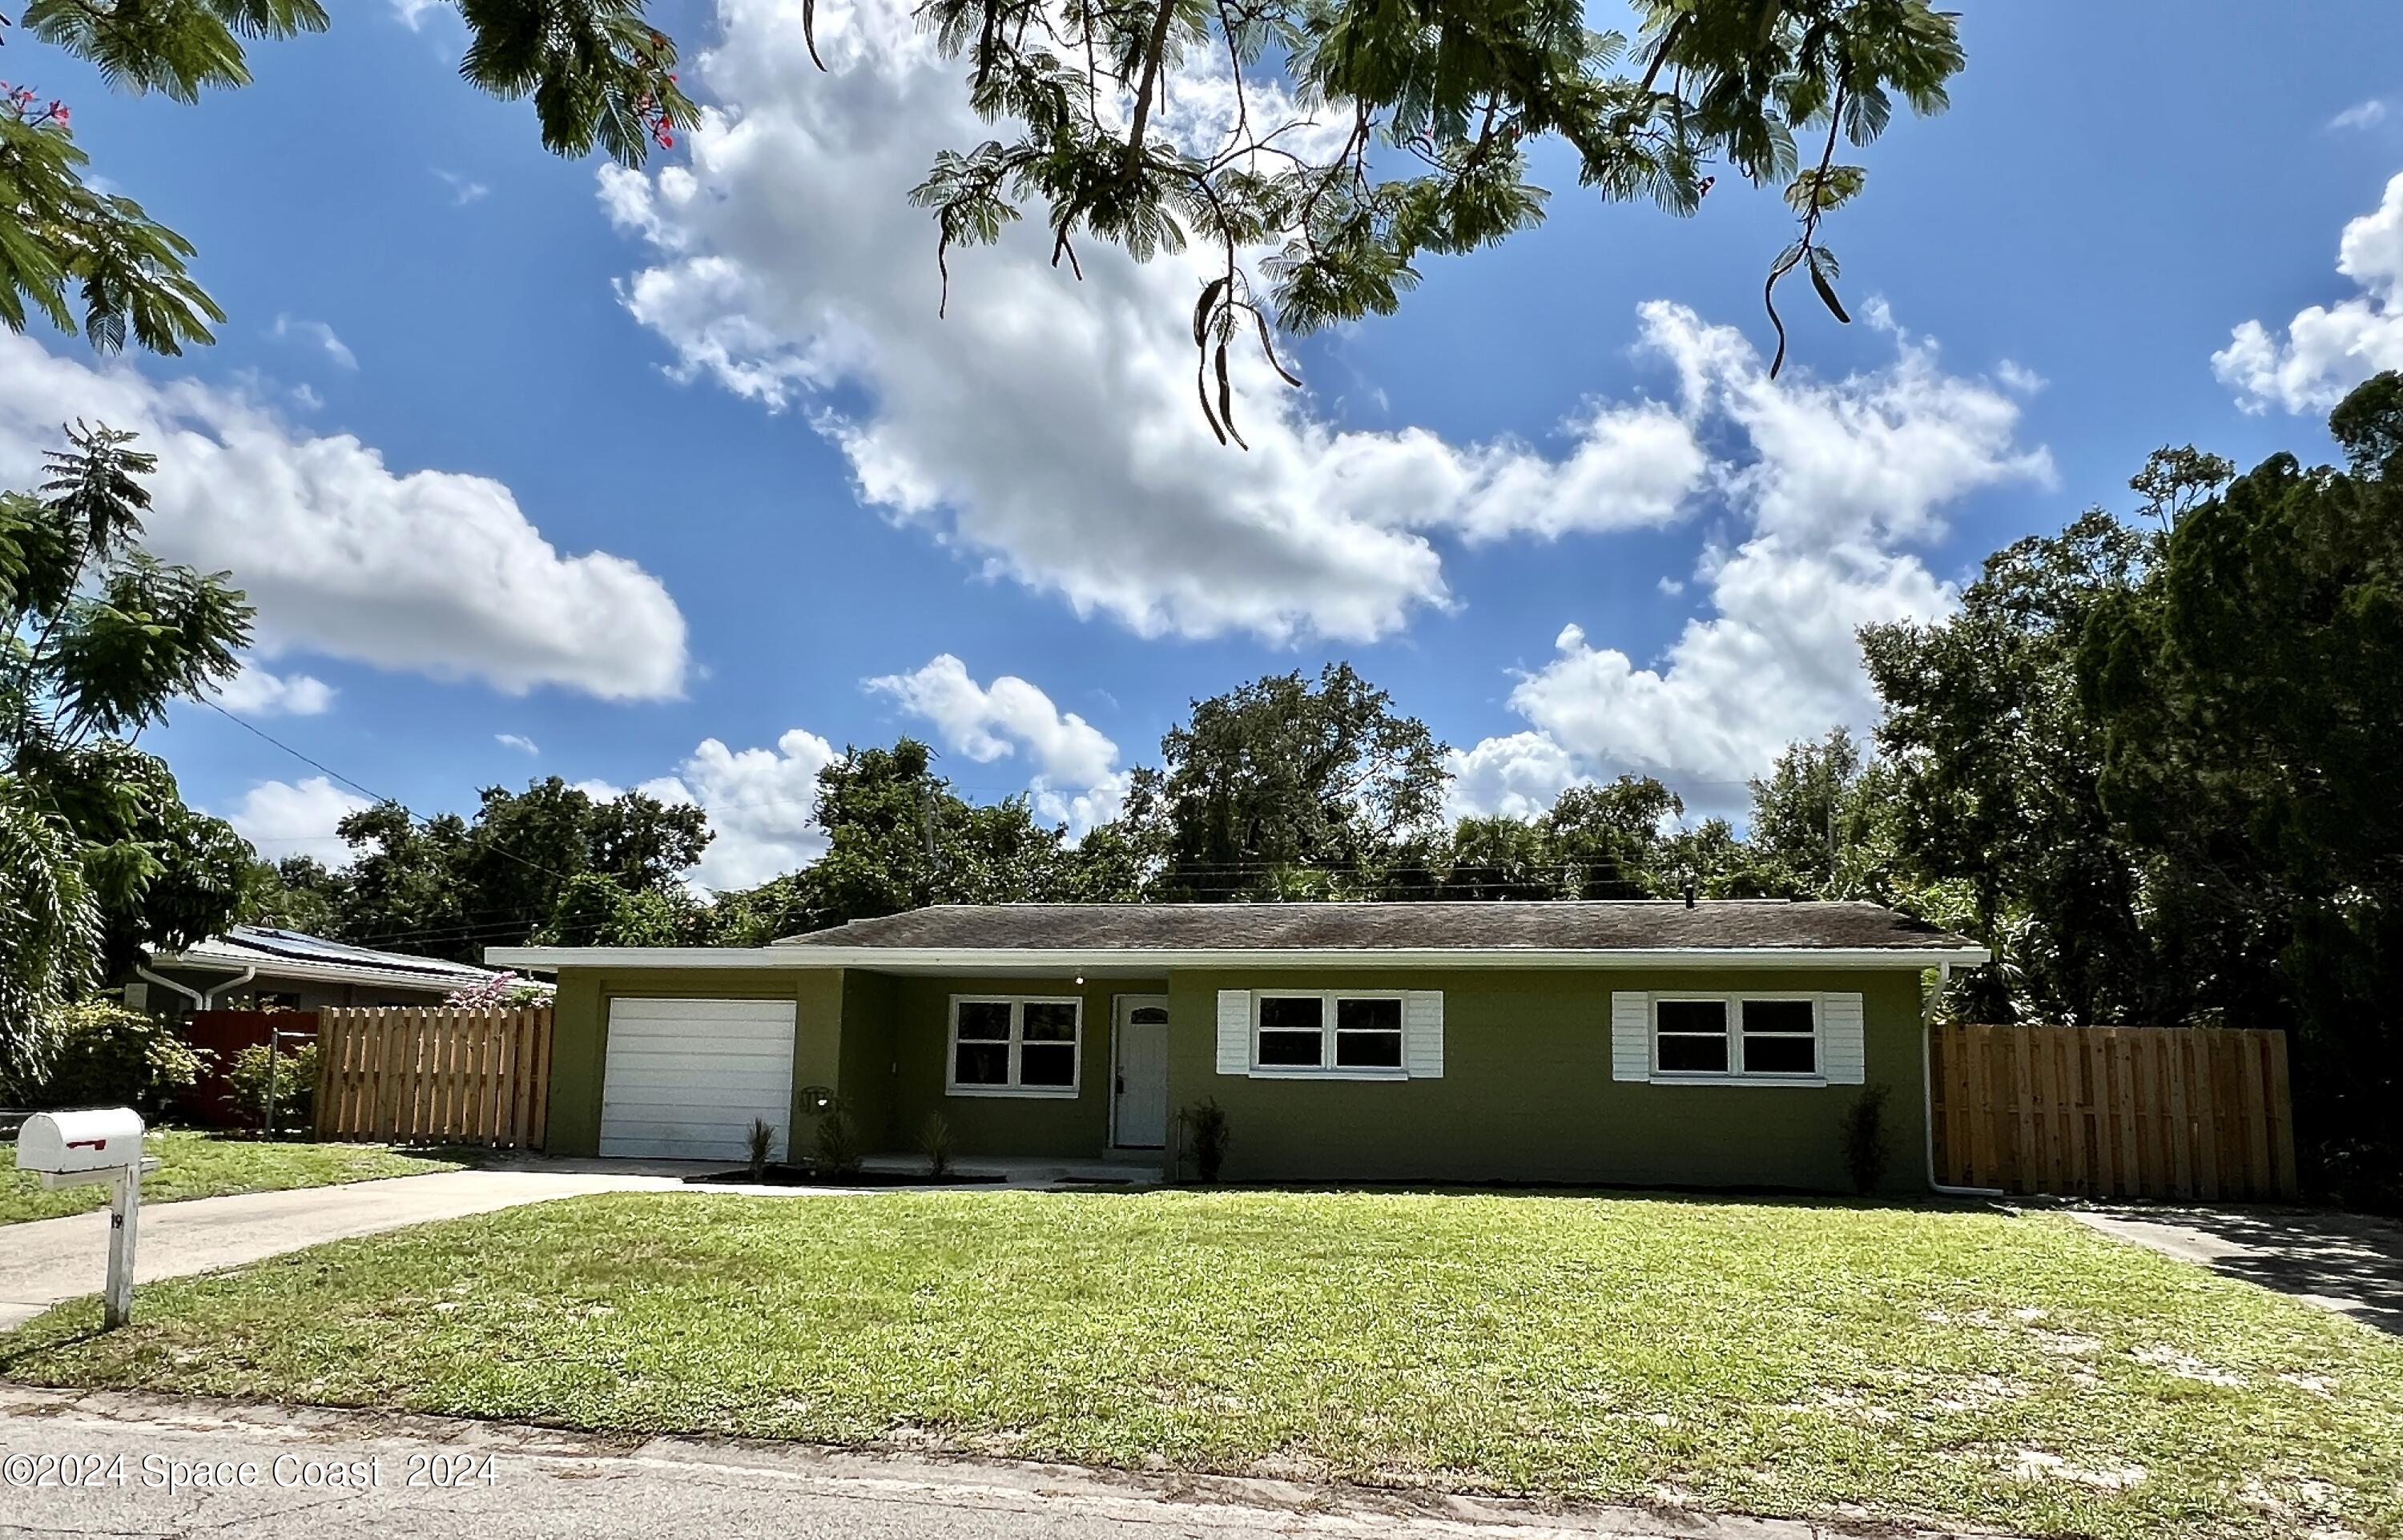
(2348,1263)
(44,1262)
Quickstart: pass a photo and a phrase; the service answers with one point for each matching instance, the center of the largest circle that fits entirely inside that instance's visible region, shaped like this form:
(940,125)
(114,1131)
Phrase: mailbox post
(77,1150)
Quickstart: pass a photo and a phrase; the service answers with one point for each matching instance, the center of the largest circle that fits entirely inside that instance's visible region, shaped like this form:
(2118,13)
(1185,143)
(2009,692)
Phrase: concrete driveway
(2348,1263)
(47,1261)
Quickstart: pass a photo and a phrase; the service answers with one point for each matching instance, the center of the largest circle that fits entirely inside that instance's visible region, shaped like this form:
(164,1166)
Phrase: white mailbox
(74,1149)
(60,1143)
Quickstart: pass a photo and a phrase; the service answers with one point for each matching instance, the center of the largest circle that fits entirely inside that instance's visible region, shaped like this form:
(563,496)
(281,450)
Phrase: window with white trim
(1015,1044)
(1328,1033)
(1740,1037)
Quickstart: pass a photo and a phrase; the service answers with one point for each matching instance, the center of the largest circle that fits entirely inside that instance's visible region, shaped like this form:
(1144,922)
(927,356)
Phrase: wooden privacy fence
(435,1074)
(2117,1112)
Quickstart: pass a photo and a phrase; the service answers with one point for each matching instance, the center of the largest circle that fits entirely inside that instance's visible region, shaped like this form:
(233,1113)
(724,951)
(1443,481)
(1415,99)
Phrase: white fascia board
(270,967)
(971,960)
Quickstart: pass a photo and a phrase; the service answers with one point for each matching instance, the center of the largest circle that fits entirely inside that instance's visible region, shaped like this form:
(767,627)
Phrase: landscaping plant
(1206,1137)
(838,1148)
(1863,1130)
(761,1139)
(935,1143)
(295,1078)
(102,1055)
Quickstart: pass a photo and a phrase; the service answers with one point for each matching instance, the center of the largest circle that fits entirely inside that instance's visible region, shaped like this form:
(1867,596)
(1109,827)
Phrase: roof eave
(972,959)
(323,973)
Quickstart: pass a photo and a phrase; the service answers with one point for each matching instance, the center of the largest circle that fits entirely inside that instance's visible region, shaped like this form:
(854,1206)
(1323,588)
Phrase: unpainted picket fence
(2115,1112)
(443,1074)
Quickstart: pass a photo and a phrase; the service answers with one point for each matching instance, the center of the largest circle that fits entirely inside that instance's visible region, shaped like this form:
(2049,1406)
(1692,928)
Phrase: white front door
(683,1079)
(1139,1098)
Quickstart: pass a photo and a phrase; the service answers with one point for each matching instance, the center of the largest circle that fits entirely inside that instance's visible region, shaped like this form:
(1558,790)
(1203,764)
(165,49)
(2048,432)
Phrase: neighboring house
(1638,1042)
(251,966)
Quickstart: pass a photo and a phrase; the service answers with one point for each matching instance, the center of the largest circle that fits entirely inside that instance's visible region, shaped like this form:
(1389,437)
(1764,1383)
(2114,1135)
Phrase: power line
(262,733)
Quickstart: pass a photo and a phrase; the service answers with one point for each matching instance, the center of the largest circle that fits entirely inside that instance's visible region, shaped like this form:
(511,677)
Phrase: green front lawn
(205,1165)
(1928,1365)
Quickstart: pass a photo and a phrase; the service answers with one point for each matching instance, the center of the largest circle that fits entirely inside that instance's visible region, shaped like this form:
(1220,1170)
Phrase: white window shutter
(1234,1031)
(1422,1033)
(1843,1047)
(1630,1035)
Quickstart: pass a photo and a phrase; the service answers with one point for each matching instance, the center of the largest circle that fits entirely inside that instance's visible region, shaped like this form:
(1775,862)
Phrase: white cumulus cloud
(1048,430)
(285,818)
(760,803)
(427,571)
(1077,779)
(318,334)
(2328,349)
(516,740)
(259,692)
(1518,776)
(2361,114)
(1835,481)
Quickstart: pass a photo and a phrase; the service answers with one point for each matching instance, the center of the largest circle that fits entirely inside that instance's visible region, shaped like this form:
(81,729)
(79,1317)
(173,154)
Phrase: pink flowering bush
(501,992)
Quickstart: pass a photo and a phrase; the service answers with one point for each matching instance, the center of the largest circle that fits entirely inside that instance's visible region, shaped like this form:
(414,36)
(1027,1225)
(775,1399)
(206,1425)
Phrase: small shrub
(296,1086)
(1206,1137)
(102,1055)
(762,1139)
(838,1152)
(935,1143)
(1863,1131)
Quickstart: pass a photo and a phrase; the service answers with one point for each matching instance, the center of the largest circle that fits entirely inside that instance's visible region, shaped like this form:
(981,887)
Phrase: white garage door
(684,1078)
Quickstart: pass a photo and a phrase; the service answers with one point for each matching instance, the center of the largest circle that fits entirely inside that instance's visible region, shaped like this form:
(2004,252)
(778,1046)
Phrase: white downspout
(199,1001)
(237,981)
(200,998)
(1927,1087)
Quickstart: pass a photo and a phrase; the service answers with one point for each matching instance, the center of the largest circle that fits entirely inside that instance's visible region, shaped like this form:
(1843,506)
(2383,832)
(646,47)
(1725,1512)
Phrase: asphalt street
(98,1464)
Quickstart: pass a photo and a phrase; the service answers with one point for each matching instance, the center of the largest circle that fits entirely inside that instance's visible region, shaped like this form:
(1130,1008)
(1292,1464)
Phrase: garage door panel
(729,1072)
(684,1079)
(629,1007)
(686,1048)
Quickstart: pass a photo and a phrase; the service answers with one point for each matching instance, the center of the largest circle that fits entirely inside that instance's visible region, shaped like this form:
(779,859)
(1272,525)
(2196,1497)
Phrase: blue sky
(658,474)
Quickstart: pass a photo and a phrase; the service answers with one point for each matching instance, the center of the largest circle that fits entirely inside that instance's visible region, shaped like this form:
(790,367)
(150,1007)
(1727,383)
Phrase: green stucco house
(1712,1044)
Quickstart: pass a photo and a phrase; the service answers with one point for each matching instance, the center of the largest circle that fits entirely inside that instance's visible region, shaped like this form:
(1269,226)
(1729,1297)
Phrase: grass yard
(1928,1365)
(204,1165)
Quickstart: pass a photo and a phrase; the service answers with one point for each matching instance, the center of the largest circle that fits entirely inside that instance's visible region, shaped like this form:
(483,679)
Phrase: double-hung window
(1743,1037)
(1331,1034)
(1015,1046)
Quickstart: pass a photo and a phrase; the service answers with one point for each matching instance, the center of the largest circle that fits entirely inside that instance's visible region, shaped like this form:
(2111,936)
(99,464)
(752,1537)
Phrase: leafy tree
(594,910)
(1274,787)
(449,886)
(297,892)
(2250,702)
(1498,858)
(1997,770)
(1368,135)
(599,77)
(898,837)
(1608,838)
(99,857)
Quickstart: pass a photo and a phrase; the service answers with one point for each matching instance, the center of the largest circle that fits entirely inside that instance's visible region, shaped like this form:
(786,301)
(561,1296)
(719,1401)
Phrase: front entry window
(1013,1046)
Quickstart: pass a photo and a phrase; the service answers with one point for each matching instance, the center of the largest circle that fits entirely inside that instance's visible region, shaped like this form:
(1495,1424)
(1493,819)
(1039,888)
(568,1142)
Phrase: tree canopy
(1366,136)
(98,856)
(552,862)
(599,76)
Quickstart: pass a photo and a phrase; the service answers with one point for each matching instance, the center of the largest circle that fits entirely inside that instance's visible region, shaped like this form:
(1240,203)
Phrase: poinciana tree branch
(600,76)
(1439,103)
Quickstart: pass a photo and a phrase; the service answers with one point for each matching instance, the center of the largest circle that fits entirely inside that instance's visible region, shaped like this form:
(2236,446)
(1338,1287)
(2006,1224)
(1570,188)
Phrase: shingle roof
(1600,925)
